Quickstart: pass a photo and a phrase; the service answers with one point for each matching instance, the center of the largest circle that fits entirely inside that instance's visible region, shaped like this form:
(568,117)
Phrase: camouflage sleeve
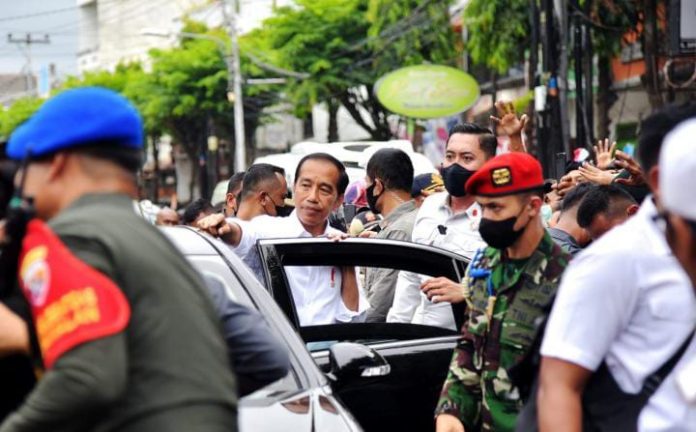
(461,393)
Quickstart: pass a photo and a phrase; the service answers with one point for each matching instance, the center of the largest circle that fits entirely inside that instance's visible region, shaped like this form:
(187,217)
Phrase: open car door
(403,394)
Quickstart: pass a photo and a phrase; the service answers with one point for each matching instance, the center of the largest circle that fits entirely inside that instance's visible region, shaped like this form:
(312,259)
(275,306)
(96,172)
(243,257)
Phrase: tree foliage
(411,32)
(347,45)
(317,37)
(184,93)
(498,32)
(16,114)
(610,20)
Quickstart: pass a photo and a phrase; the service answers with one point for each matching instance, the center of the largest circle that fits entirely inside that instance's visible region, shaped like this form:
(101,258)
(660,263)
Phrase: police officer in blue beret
(128,337)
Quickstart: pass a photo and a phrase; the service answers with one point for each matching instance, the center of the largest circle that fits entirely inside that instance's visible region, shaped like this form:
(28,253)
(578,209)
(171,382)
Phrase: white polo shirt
(626,300)
(460,236)
(315,290)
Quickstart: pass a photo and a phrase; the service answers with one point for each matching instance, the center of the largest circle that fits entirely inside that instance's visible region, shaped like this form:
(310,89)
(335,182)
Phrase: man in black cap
(126,331)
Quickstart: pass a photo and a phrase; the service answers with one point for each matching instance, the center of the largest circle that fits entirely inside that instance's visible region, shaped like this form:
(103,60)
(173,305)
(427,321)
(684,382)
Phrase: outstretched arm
(217,226)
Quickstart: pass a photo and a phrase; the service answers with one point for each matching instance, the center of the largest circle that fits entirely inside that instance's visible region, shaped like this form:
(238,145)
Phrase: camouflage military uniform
(478,390)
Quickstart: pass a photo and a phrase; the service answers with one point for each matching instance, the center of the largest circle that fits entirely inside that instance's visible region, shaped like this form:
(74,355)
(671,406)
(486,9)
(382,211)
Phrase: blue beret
(77,117)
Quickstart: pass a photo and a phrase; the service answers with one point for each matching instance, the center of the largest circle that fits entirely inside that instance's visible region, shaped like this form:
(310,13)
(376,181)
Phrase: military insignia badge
(35,275)
(71,302)
(501,177)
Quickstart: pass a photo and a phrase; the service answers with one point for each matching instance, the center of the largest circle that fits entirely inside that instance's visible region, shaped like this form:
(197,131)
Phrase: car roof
(188,240)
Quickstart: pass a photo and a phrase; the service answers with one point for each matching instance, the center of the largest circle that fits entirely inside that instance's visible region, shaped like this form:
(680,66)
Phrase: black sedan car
(346,376)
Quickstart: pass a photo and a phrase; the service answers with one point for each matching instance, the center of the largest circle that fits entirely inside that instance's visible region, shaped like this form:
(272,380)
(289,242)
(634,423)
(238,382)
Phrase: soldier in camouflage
(506,288)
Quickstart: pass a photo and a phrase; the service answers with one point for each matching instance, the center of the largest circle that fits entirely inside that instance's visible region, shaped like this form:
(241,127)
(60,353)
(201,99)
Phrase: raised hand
(603,152)
(596,175)
(507,122)
(626,162)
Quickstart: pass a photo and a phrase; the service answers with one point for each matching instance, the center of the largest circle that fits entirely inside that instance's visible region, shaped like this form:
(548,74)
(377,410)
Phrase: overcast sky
(57,18)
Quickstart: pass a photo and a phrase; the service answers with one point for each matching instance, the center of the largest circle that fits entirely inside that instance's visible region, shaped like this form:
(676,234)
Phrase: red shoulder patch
(71,302)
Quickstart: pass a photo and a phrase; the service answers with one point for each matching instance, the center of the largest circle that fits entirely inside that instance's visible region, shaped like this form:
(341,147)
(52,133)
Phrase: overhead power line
(31,15)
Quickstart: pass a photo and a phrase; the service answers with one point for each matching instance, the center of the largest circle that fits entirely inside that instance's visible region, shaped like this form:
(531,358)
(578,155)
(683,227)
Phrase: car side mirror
(349,360)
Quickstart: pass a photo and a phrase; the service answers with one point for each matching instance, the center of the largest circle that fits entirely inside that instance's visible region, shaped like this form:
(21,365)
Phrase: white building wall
(111,31)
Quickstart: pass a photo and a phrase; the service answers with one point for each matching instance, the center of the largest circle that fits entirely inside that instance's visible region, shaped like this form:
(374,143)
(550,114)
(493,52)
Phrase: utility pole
(28,40)
(580,132)
(239,134)
(562,37)
(588,73)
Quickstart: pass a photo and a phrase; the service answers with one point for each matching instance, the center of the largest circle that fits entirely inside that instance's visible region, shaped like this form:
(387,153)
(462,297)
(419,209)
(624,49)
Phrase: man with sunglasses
(623,316)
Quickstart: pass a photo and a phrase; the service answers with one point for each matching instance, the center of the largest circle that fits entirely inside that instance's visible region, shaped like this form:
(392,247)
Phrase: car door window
(418,355)
(280,258)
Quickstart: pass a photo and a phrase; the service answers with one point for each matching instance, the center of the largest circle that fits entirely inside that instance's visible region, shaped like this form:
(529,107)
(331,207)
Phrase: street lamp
(234,76)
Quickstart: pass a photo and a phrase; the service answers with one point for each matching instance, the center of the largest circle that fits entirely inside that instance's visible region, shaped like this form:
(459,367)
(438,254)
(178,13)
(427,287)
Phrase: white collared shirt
(436,225)
(315,290)
(625,300)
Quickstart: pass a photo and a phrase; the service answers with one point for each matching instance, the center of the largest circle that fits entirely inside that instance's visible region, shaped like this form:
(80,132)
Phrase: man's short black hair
(603,199)
(235,182)
(654,129)
(393,167)
(257,175)
(574,197)
(342,174)
(128,158)
(194,209)
(487,141)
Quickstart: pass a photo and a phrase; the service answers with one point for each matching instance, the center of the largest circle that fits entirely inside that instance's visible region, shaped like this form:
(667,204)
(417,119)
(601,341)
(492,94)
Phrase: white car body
(354,156)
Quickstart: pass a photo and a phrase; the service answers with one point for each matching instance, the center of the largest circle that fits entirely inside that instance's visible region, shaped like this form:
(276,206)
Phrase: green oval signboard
(427,91)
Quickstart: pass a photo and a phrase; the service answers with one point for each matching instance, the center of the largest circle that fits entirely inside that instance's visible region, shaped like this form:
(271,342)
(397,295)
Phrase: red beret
(507,174)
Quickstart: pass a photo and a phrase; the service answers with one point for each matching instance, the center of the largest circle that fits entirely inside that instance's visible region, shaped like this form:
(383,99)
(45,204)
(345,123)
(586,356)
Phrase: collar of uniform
(542,252)
(298,230)
(399,211)
(111,198)
(472,212)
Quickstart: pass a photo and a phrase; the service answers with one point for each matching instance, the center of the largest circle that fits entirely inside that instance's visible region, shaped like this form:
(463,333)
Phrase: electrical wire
(579,12)
(32,15)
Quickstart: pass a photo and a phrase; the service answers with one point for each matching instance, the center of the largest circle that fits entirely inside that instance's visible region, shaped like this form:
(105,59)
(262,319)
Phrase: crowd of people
(578,300)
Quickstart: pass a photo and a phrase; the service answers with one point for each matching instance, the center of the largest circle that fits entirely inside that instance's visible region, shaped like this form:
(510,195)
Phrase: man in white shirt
(625,303)
(263,193)
(677,178)
(448,220)
(322,295)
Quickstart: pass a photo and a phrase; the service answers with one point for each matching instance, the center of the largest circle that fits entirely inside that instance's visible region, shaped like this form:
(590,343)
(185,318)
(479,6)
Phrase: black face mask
(281,211)
(455,177)
(500,234)
(284,211)
(371,198)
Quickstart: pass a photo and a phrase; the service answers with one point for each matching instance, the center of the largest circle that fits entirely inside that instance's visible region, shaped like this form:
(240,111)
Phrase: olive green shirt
(380,283)
(478,389)
(170,356)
